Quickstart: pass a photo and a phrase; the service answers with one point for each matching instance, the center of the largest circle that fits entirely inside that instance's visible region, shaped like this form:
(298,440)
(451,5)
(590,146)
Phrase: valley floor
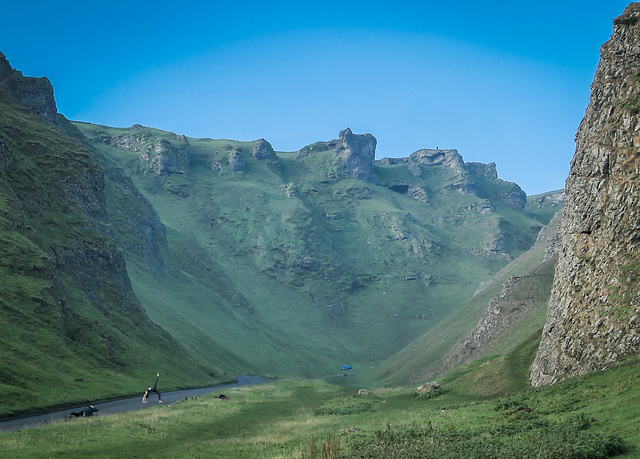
(592,416)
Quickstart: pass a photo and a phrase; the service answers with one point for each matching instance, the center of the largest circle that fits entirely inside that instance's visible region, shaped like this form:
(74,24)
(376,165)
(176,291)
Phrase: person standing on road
(152,389)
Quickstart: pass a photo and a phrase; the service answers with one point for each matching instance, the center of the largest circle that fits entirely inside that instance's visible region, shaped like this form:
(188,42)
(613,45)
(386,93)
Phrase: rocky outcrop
(35,93)
(357,154)
(263,150)
(352,155)
(465,178)
(316,147)
(236,161)
(161,155)
(168,159)
(440,159)
(593,318)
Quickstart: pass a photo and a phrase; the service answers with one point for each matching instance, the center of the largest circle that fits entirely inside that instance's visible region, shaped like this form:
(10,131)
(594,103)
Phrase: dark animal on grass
(88,411)
(222,397)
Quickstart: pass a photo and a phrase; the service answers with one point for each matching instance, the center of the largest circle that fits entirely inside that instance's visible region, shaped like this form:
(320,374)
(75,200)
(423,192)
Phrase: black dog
(88,411)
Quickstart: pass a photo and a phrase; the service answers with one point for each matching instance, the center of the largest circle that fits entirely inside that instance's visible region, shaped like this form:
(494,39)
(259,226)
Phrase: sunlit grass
(278,420)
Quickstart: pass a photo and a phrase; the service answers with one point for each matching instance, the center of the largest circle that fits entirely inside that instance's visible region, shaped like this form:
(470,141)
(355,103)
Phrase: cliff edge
(593,316)
(35,93)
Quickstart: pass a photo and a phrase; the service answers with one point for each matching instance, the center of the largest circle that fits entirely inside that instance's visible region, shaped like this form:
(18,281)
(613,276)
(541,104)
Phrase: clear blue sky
(503,82)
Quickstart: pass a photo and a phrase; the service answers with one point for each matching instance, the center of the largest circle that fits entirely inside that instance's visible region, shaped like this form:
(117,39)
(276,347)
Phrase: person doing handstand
(152,389)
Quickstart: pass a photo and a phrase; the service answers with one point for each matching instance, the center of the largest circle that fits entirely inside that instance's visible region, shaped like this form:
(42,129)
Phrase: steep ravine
(523,296)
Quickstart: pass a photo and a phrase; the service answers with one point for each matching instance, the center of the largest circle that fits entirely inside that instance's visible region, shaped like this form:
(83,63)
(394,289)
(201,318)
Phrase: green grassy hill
(72,328)
(131,250)
(277,264)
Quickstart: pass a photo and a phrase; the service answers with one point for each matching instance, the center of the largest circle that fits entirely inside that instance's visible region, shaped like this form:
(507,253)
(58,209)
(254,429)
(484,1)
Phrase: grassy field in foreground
(591,416)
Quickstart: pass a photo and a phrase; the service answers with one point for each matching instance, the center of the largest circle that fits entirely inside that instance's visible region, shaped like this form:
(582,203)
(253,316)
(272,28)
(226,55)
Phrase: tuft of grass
(632,105)
(347,405)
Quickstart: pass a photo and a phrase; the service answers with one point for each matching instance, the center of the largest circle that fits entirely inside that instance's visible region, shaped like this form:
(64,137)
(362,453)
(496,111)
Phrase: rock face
(593,317)
(443,159)
(357,153)
(236,161)
(35,93)
(465,178)
(263,150)
(161,155)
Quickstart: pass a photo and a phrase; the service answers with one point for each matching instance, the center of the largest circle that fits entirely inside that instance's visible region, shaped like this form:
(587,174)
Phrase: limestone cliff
(35,93)
(477,179)
(592,319)
(357,153)
(353,155)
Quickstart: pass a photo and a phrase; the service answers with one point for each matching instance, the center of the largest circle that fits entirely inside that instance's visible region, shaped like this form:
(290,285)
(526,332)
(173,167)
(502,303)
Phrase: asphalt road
(124,405)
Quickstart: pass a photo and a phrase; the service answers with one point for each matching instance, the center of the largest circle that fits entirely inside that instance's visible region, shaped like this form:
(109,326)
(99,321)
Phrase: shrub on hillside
(346,405)
(514,440)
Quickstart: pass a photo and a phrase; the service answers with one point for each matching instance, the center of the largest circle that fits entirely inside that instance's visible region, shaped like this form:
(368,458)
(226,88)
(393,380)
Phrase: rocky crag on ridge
(35,93)
(466,178)
(593,318)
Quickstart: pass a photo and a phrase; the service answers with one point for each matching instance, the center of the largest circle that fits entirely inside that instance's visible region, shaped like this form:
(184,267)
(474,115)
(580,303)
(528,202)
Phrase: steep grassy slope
(72,329)
(278,264)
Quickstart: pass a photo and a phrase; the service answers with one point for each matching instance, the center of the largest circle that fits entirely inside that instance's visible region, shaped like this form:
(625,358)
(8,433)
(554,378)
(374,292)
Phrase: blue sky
(503,82)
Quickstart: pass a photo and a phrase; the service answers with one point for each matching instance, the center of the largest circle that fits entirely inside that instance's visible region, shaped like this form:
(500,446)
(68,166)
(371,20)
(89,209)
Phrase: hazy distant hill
(292,263)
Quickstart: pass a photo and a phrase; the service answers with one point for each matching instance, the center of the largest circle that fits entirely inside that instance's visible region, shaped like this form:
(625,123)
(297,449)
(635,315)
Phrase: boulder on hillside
(427,387)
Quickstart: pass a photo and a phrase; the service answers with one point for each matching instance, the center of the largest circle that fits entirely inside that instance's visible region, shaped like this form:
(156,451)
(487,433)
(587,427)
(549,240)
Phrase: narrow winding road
(124,405)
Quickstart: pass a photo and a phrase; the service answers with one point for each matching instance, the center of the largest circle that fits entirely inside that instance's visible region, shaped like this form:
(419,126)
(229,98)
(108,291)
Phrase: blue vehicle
(345,367)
